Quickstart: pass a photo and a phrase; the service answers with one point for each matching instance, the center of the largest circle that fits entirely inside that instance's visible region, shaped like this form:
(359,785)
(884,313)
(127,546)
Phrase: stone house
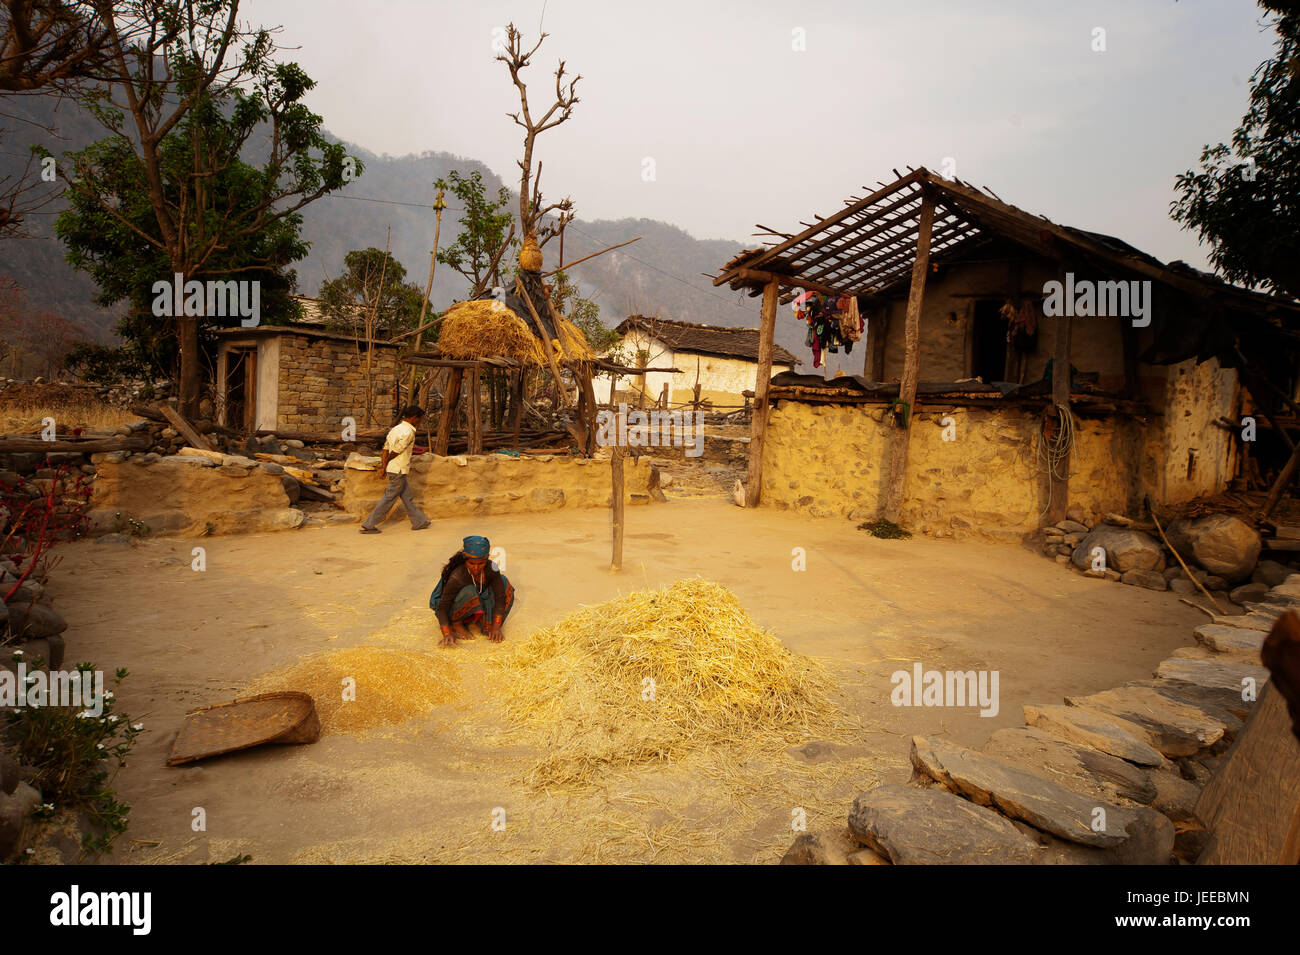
(302,378)
(722,361)
(1156,365)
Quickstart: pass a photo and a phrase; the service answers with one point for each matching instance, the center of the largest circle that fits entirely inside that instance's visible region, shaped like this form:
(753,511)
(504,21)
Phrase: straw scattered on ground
(656,675)
(391,686)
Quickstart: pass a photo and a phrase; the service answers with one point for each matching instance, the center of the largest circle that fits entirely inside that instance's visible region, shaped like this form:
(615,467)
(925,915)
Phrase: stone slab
(1020,794)
(1080,768)
(1213,673)
(1173,727)
(1083,726)
(911,826)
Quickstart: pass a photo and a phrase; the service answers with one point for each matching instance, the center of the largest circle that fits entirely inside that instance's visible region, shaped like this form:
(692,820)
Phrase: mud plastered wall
(459,486)
(185,497)
(832,461)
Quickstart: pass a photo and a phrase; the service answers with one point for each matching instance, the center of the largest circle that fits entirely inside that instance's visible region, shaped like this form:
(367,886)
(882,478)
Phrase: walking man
(396,463)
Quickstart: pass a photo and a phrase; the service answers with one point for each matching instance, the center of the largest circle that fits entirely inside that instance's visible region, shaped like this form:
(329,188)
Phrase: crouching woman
(471,591)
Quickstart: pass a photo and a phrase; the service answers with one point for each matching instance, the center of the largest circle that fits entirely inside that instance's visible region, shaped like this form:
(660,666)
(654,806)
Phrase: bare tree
(531,207)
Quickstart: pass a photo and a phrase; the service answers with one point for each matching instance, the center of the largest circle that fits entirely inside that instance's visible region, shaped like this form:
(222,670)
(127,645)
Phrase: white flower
(85,715)
(108,695)
(99,746)
(112,719)
(48,806)
(18,653)
(137,726)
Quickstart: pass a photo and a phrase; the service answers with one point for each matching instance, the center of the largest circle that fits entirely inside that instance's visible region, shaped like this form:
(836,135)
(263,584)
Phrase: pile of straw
(581,689)
(391,686)
(487,328)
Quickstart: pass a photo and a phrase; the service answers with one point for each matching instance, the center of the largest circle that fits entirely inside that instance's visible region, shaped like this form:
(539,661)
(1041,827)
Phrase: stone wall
(187,496)
(832,461)
(323,381)
(461,485)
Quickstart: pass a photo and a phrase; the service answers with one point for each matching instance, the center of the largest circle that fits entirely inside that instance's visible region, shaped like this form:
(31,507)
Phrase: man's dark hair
(412,411)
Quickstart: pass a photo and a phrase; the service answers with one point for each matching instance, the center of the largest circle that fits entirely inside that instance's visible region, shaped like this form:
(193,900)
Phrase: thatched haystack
(488,328)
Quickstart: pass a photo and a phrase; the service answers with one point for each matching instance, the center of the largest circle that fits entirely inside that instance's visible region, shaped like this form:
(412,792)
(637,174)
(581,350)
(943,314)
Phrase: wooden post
(877,332)
(588,392)
(474,411)
(449,402)
(762,384)
(1059,479)
(517,401)
(438,206)
(911,363)
(616,505)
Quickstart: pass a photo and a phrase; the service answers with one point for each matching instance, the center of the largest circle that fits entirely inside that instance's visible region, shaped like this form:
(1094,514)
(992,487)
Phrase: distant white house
(722,361)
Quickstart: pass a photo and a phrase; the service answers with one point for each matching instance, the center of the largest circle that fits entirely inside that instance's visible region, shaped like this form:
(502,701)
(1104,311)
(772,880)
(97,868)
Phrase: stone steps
(1108,777)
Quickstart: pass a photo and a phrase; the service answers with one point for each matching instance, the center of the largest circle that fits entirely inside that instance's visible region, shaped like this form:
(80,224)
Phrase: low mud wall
(461,485)
(187,496)
(833,461)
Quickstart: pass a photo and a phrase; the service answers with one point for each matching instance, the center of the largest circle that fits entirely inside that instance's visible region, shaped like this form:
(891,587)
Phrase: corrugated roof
(705,339)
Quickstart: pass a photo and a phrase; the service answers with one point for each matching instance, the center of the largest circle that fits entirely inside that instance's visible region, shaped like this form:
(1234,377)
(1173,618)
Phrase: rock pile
(1111,777)
(1222,552)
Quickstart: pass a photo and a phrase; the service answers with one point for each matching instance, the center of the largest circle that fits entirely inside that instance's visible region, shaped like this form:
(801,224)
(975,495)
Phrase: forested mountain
(659,275)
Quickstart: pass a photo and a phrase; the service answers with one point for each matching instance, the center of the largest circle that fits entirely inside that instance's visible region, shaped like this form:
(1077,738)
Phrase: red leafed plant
(57,514)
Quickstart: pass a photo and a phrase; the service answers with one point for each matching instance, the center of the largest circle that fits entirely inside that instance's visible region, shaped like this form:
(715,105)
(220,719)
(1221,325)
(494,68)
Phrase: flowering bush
(75,756)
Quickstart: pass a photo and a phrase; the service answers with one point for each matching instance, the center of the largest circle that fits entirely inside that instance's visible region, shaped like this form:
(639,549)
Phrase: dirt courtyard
(430,790)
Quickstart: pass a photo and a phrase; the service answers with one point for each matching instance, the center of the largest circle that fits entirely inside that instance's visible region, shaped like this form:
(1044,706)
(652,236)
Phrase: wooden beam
(755,275)
(10,444)
(762,385)
(187,431)
(1059,478)
(846,213)
(911,364)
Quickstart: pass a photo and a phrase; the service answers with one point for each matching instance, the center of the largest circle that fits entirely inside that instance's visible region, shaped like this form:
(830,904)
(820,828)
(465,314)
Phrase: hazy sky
(743,128)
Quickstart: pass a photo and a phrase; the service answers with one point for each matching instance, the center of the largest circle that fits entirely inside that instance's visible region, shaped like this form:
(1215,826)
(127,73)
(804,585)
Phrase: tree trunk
(188,335)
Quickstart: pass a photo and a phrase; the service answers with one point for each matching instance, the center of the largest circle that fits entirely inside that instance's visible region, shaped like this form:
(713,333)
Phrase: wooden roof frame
(869,247)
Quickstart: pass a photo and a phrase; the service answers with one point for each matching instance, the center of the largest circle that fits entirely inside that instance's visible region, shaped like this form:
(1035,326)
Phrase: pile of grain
(656,675)
(391,686)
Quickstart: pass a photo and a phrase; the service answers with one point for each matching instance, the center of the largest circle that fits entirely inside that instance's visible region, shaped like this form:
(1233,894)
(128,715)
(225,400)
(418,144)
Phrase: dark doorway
(241,390)
(988,358)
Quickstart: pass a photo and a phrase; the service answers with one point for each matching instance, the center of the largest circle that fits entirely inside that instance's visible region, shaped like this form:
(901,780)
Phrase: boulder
(1181,585)
(1126,549)
(35,620)
(1224,545)
(291,487)
(1071,527)
(911,826)
(289,517)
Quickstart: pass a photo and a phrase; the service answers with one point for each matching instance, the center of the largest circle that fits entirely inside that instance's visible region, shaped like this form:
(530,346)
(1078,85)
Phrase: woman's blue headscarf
(476,546)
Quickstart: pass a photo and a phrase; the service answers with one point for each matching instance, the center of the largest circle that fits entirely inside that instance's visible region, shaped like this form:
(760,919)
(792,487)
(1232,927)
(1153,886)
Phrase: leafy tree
(583,312)
(183,102)
(372,284)
(1245,200)
(485,228)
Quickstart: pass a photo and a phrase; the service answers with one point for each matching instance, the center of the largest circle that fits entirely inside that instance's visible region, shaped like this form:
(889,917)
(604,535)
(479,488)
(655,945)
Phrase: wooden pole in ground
(911,364)
(762,385)
(1058,479)
(474,411)
(616,505)
(449,402)
(517,401)
(438,206)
